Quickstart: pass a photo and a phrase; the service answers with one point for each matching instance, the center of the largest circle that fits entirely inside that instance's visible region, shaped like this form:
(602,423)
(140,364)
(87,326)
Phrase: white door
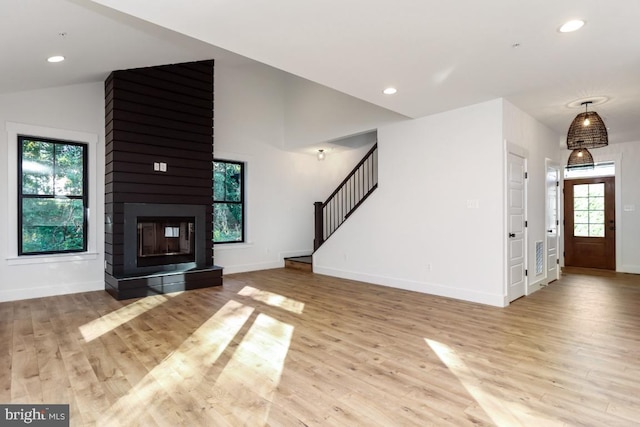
(553,182)
(516,226)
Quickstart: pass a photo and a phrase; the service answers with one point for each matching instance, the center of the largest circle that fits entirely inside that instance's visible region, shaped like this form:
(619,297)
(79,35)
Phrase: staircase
(302,263)
(350,194)
(345,199)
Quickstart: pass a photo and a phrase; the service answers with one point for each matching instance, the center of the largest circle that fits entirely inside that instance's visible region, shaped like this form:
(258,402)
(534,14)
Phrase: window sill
(52,258)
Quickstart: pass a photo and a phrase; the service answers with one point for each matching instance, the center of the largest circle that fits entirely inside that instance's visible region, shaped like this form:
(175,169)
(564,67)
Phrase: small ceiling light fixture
(321,154)
(390,91)
(571,26)
(587,130)
(580,158)
(55,58)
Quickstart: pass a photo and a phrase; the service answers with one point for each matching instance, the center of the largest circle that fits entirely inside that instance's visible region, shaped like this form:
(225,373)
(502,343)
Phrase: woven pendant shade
(587,131)
(580,158)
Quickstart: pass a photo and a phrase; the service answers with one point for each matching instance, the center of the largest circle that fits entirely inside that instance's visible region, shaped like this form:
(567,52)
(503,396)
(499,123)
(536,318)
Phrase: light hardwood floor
(289,348)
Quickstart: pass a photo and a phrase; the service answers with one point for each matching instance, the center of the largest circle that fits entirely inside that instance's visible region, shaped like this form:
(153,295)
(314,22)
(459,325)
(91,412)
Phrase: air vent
(539,257)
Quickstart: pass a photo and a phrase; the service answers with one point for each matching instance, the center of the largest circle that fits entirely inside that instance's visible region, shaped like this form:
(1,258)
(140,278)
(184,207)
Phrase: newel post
(319,228)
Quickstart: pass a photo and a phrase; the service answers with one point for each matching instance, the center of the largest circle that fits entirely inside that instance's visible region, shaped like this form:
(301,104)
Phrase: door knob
(549,231)
(512,235)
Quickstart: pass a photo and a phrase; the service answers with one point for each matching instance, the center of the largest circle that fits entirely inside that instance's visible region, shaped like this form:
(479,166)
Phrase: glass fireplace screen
(168,240)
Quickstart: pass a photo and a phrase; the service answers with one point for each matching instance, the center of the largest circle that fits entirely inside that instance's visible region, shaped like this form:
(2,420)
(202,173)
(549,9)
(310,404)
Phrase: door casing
(515,232)
(552,224)
(597,252)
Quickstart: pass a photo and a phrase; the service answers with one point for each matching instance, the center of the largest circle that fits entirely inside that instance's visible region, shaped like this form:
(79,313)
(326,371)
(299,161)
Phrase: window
(52,196)
(588,210)
(228,201)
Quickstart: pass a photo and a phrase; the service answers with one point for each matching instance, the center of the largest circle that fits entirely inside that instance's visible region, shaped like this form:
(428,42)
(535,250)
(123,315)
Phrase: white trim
(548,163)
(633,269)
(48,291)
(227,247)
(421,287)
(511,148)
(91,139)
(52,258)
(533,287)
(243,268)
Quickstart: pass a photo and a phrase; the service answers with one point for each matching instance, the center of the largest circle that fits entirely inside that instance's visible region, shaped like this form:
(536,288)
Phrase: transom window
(588,210)
(53,199)
(228,201)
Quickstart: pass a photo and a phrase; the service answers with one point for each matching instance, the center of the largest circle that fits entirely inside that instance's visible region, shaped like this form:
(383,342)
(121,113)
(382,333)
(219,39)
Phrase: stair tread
(307,259)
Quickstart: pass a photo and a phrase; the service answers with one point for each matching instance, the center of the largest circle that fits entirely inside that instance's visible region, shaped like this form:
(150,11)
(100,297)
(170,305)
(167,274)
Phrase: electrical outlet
(156,166)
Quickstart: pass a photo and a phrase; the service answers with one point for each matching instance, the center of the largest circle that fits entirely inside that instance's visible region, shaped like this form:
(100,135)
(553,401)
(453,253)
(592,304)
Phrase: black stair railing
(346,198)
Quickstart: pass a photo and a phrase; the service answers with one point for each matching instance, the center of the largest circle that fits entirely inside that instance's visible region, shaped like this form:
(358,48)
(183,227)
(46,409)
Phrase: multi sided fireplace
(163,237)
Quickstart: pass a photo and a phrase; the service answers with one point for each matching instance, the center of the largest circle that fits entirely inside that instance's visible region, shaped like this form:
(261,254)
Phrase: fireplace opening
(165,240)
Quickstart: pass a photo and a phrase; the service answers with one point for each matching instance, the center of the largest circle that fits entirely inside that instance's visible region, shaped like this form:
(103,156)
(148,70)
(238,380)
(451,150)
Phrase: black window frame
(84,197)
(225,202)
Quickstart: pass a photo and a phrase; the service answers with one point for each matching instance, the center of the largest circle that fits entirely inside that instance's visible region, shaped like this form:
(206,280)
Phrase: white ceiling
(440,54)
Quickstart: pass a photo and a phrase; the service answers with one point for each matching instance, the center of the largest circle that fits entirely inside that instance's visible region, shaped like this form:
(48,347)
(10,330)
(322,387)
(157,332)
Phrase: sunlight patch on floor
(256,366)
(100,326)
(502,411)
(183,370)
(273,299)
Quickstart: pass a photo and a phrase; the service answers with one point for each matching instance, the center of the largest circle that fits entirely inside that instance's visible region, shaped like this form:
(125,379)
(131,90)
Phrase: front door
(590,231)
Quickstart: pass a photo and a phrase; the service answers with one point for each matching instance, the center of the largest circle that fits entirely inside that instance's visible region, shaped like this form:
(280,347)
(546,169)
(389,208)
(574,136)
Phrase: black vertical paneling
(157,114)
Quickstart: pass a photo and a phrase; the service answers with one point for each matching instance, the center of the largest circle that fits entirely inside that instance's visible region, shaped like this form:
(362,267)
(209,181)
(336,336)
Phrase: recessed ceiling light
(56,58)
(390,91)
(570,26)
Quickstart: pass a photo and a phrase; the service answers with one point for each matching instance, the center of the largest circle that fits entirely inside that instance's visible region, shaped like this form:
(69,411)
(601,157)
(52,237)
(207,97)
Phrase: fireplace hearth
(164,250)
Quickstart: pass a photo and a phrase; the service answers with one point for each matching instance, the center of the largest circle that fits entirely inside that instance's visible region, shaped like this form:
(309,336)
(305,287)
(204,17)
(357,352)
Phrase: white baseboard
(48,291)
(536,286)
(243,268)
(422,287)
(633,269)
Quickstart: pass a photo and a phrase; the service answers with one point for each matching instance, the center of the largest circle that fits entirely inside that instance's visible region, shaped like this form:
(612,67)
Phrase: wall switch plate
(163,167)
(156,166)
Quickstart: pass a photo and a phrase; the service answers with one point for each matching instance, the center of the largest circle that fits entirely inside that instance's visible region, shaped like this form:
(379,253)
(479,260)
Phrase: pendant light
(587,130)
(580,158)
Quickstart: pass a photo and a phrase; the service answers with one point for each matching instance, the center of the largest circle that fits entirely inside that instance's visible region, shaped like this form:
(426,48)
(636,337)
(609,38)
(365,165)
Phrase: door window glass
(588,210)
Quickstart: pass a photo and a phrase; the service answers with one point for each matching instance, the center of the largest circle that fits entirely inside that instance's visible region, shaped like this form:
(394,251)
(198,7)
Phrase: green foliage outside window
(228,202)
(52,197)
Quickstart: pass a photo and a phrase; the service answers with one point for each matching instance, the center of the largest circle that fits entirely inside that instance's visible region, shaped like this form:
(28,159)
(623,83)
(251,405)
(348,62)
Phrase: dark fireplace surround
(158,220)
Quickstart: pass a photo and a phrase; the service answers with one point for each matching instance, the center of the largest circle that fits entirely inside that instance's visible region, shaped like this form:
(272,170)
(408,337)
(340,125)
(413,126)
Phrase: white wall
(315,113)
(419,230)
(627,158)
(252,102)
(73,112)
(540,143)
(250,125)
